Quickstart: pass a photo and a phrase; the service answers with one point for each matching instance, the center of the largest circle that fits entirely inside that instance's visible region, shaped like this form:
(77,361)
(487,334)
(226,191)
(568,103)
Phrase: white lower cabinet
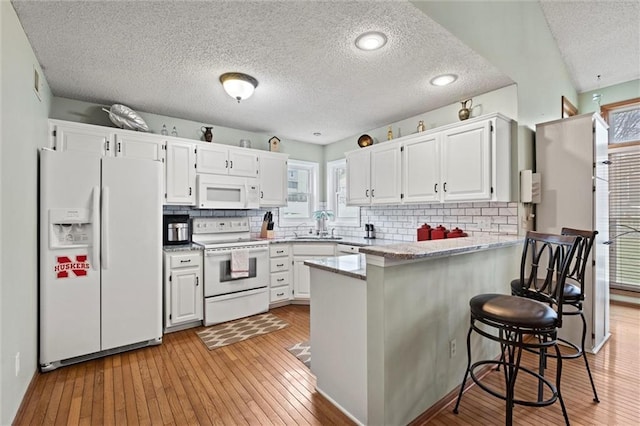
(301,274)
(280,276)
(183,289)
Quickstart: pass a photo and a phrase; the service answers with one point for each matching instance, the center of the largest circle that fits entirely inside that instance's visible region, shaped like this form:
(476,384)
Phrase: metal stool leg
(466,373)
(558,377)
(584,355)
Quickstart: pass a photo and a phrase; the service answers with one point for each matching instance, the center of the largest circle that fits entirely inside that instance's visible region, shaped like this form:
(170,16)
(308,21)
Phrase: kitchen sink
(316,237)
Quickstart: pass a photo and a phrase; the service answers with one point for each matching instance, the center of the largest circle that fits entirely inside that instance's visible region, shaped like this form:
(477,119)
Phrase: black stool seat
(513,310)
(572,291)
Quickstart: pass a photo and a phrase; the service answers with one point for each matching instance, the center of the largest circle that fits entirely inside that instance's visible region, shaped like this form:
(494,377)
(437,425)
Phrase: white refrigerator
(572,158)
(100,256)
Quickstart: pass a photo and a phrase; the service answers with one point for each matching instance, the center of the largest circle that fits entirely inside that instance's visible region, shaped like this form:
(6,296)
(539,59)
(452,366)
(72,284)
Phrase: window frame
(314,168)
(332,203)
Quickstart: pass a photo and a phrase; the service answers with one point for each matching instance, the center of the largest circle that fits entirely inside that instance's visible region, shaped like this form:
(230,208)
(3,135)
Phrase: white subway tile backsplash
(396,222)
(489,212)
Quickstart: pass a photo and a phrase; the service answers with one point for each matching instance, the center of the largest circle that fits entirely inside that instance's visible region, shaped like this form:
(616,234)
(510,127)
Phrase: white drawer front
(190,259)
(280,278)
(279,293)
(279,264)
(279,250)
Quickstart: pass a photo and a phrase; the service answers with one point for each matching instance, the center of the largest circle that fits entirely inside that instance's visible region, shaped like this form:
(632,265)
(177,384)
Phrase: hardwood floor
(258,382)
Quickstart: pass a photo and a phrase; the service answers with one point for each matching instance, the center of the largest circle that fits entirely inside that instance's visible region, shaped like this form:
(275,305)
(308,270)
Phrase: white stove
(236,269)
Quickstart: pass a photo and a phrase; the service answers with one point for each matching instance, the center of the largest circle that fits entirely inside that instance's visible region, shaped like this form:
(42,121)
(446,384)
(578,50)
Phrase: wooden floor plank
(258,382)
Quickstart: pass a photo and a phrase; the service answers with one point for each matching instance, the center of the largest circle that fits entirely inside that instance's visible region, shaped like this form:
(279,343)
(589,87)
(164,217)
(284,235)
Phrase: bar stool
(573,294)
(518,323)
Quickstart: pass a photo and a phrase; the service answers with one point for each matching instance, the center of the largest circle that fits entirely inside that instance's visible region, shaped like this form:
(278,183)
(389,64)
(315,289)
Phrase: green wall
(611,94)
(23,131)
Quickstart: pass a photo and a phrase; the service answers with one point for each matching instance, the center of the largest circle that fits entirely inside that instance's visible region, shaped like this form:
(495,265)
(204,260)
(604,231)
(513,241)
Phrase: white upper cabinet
(466,162)
(469,161)
(181,173)
(68,136)
(139,145)
(273,179)
(421,170)
(224,160)
(358,178)
(373,175)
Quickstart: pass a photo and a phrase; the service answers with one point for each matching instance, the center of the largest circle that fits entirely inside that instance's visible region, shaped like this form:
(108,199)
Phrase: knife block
(264,233)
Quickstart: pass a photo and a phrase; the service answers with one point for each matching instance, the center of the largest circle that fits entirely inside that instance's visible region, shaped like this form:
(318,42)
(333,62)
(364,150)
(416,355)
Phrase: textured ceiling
(165,57)
(597,38)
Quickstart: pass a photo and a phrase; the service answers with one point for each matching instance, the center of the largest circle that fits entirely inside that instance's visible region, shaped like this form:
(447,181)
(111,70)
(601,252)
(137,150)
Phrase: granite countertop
(352,265)
(354,241)
(445,247)
(182,247)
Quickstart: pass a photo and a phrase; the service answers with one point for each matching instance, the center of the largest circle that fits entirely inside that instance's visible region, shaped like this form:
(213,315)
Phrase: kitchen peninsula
(388,327)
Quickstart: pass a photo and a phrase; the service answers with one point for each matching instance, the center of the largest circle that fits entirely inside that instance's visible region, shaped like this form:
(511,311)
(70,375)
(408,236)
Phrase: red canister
(456,233)
(424,232)
(439,233)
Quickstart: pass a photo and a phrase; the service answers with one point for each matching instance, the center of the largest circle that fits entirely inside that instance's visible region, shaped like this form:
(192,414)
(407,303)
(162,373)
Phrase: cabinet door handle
(185,261)
(366,193)
(435,188)
(119,147)
(279,294)
(226,164)
(280,280)
(372,195)
(280,265)
(190,190)
(444,187)
(231,164)
(279,251)
(197,281)
(262,196)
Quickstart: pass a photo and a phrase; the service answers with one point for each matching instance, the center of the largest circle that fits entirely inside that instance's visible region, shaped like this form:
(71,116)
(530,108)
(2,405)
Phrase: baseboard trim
(27,396)
(448,399)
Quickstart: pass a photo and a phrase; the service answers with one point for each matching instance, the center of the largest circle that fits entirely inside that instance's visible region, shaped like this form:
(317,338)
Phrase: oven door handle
(210,253)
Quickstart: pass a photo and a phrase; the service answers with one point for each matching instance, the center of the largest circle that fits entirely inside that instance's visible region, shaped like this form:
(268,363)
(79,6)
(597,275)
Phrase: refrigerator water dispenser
(70,228)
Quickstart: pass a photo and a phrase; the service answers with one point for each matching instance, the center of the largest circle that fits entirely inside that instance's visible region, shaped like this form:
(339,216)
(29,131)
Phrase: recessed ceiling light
(443,80)
(371,40)
(317,134)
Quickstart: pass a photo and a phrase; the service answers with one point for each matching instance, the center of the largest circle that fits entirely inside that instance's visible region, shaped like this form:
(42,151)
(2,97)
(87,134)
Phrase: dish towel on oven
(239,263)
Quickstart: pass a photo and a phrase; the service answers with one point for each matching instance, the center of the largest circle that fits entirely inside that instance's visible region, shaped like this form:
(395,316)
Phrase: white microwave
(227,192)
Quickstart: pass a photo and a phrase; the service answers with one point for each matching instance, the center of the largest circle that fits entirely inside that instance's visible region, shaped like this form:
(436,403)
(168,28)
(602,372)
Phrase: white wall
(23,130)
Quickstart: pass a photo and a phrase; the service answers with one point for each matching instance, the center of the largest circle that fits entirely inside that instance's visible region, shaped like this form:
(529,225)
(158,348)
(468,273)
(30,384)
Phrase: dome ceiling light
(443,80)
(238,85)
(371,40)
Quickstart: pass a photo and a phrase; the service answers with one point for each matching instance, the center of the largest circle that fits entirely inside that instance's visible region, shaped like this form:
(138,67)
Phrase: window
(302,193)
(624,122)
(624,193)
(337,195)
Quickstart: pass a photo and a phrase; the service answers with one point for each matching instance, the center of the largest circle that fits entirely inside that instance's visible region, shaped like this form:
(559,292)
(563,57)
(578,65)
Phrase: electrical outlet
(452,348)
(17,364)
